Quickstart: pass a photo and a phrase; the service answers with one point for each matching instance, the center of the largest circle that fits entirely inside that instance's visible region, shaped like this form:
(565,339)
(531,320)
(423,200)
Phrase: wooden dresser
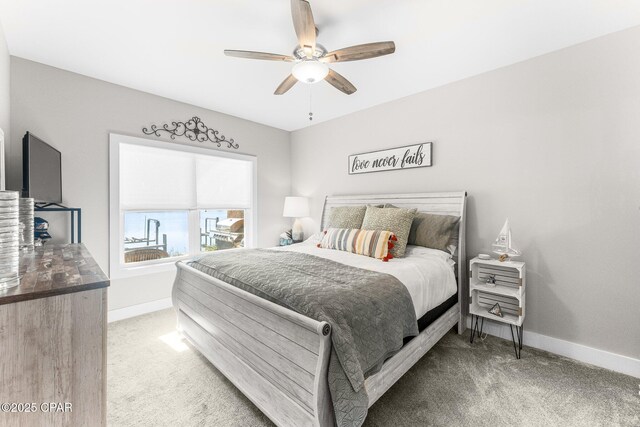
(53,334)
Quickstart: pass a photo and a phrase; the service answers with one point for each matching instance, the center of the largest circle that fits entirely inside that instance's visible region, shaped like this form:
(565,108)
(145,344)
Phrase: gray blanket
(370,313)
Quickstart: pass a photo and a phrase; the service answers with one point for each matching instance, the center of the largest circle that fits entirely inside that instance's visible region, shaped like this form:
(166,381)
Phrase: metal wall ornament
(193,129)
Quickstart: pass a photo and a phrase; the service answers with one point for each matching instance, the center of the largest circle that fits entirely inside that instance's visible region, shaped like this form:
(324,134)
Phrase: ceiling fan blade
(361,51)
(286,85)
(248,54)
(336,80)
(304,25)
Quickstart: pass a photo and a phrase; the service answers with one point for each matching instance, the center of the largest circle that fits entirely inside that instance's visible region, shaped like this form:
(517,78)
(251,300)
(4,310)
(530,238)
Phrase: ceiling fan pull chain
(310,107)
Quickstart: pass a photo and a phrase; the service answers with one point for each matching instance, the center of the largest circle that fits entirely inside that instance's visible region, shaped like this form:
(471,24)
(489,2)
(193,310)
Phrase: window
(221,229)
(172,201)
(162,234)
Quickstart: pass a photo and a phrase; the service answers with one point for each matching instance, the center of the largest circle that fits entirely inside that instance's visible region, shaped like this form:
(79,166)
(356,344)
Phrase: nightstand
(508,292)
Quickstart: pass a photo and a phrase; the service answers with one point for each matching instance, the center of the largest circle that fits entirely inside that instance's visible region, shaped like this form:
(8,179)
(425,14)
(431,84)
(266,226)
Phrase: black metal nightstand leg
(520,334)
(514,341)
(474,328)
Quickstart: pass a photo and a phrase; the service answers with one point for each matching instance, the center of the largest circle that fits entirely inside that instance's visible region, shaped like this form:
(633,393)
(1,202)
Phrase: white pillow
(315,238)
(413,250)
(421,250)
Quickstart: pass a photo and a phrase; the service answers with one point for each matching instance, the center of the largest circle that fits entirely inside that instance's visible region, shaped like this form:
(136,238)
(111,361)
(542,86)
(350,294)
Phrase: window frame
(117,267)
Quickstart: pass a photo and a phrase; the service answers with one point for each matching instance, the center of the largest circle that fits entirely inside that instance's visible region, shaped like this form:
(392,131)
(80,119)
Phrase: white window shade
(154,178)
(223,182)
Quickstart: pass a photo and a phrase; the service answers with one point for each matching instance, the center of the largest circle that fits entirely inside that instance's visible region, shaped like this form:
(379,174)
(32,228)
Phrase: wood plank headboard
(453,203)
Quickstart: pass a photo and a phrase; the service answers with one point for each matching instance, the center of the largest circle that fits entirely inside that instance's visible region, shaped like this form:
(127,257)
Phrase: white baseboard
(604,359)
(137,310)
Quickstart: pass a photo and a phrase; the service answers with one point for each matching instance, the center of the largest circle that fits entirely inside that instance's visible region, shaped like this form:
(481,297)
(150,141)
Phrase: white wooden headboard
(453,203)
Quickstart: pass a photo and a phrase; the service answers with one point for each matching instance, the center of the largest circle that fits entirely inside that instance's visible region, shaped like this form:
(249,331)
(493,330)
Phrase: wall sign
(407,157)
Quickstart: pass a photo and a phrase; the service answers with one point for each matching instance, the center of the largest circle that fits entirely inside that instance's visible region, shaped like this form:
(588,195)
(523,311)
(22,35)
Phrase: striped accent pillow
(371,243)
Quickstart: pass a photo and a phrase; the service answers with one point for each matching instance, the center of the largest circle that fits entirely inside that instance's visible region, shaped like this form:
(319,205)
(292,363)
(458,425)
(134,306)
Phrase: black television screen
(41,170)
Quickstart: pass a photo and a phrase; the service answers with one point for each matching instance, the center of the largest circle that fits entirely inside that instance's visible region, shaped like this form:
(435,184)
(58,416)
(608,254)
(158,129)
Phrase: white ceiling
(173,48)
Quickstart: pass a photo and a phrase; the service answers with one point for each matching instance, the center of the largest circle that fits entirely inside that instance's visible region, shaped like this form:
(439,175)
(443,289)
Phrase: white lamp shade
(296,207)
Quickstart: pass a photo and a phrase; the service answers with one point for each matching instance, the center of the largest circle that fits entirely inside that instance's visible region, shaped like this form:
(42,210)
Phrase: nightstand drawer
(481,302)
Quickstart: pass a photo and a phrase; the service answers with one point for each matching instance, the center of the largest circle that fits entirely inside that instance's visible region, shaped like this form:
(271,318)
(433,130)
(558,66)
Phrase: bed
(279,358)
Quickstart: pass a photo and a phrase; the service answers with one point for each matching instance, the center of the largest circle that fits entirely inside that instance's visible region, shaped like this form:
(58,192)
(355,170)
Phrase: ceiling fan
(311,59)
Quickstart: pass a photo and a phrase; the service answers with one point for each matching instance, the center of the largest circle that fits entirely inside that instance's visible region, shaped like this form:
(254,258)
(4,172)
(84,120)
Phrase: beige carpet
(154,379)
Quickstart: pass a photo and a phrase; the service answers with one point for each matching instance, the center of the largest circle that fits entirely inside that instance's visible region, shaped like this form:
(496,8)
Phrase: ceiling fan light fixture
(311,59)
(310,71)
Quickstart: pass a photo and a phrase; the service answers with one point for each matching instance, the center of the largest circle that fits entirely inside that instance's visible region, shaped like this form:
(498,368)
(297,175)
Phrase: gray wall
(5,83)
(75,114)
(553,143)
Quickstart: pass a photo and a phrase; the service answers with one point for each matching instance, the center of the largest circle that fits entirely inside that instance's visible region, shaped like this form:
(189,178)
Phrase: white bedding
(426,273)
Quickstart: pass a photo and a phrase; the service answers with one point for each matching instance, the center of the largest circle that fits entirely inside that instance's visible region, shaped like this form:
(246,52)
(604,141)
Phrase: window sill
(125,271)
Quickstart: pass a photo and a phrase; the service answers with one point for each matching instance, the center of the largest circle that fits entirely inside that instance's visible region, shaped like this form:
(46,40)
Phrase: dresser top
(52,270)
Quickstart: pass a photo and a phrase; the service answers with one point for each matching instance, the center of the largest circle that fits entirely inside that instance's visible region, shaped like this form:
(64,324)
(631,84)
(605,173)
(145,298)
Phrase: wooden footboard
(276,357)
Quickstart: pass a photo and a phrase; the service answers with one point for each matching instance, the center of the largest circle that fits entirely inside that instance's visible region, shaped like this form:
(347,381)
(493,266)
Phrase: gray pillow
(396,220)
(433,231)
(452,246)
(346,216)
(430,231)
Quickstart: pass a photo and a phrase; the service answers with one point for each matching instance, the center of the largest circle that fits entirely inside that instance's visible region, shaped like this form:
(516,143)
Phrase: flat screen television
(41,170)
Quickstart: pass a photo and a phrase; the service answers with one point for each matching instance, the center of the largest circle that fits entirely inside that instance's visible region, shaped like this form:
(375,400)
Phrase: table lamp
(296,207)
